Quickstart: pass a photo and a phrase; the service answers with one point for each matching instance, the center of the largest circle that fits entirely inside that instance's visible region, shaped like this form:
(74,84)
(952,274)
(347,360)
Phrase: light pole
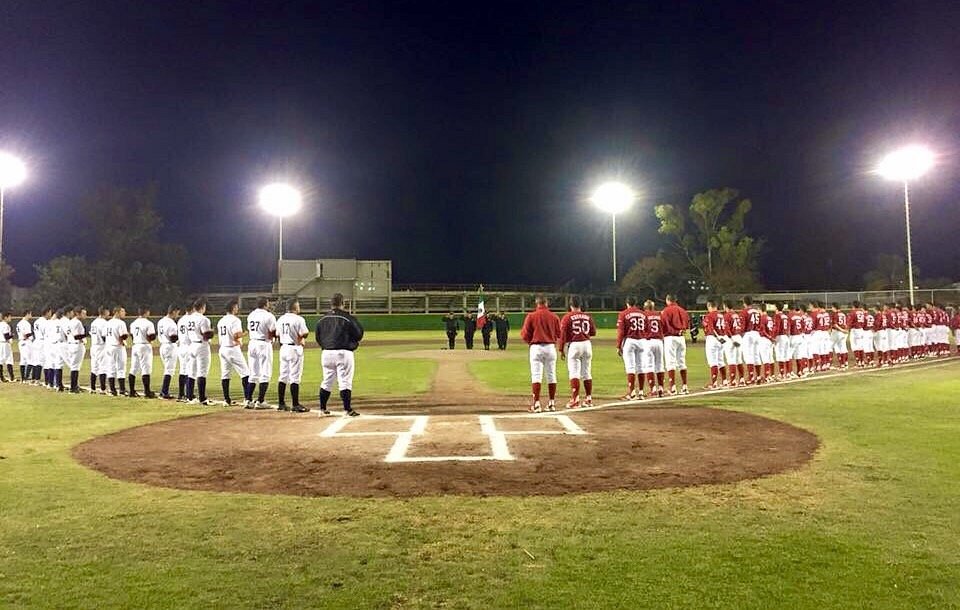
(904,165)
(613,198)
(280,200)
(12,173)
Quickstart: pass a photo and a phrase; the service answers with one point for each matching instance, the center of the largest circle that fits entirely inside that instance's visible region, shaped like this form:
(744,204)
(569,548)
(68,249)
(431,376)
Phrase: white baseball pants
(291,363)
(141,359)
(543,357)
(231,361)
(337,364)
(579,360)
(260,357)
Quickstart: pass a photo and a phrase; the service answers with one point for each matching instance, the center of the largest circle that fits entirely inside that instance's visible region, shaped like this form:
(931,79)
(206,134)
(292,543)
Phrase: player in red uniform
(653,351)
(576,328)
(732,350)
(715,334)
(676,322)
(955,325)
(541,331)
(838,336)
(751,338)
(856,322)
(631,332)
(768,334)
(782,340)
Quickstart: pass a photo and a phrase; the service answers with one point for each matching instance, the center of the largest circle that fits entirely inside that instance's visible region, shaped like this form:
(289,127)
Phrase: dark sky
(462,141)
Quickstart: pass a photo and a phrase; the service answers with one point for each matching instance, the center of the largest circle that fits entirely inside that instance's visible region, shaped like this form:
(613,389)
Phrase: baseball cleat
(324,413)
(248,404)
(535,407)
(574,403)
(261,406)
(282,407)
(351,413)
(588,401)
(206,403)
(672,391)
(133,394)
(551,406)
(684,390)
(300,409)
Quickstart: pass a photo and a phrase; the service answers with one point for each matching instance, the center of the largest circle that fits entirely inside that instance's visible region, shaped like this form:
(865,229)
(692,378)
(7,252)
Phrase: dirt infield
(276,453)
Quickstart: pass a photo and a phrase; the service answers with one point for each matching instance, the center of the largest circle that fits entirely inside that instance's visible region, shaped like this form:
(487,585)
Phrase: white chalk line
(499,447)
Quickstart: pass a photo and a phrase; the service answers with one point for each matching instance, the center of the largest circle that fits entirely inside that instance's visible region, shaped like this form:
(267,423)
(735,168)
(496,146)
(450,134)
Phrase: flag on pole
(481,311)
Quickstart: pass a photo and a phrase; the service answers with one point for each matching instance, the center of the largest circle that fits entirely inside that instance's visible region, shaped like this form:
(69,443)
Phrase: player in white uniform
(167,333)
(262,326)
(339,335)
(185,355)
(74,344)
(230,334)
(115,352)
(200,333)
(291,330)
(6,346)
(25,344)
(52,354)
(142,333)
(39,343)
(98,345)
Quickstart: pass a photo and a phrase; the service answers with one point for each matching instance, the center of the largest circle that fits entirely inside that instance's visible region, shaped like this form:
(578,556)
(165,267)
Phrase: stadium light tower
(904,165)
(613,198)
(280,200)
(12,173)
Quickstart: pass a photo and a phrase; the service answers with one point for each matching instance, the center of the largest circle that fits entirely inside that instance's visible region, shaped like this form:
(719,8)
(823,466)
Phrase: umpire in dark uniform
(502,324)
(339,334)
(469,329)
(450,321)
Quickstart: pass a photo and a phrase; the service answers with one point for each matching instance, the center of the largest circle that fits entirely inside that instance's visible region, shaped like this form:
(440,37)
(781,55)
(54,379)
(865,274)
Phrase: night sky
(462,141)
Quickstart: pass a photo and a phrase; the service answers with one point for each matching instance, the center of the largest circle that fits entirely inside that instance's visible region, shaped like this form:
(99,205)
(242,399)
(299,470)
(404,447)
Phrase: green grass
(871,522)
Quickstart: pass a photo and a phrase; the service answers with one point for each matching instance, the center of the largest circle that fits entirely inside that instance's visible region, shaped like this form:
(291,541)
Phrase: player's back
(227,328)
(654,324)
(261,325)
(291,328)
(577,326)
(183,330)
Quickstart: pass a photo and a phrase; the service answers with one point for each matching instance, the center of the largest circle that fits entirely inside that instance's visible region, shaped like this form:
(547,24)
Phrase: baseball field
(839,491)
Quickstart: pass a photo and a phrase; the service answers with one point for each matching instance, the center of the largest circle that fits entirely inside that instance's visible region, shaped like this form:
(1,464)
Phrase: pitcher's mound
(457,454)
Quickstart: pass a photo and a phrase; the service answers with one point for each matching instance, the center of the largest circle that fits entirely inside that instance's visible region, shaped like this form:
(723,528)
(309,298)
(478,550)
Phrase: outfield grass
(871,522)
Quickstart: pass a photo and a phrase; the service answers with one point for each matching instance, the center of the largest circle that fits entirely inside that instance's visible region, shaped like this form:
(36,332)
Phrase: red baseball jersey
(869,320)
(675,320)
(808,324)
(654,325)
(734,322)
(768,326)
(783,324)
(540,326)
(631,324)
(822,320)
(751,319)
(796,323)
(840,321)
(714,324)
(856,319)
(577,326)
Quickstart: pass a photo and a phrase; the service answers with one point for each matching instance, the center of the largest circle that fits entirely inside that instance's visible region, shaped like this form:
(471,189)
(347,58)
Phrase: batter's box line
(499,448)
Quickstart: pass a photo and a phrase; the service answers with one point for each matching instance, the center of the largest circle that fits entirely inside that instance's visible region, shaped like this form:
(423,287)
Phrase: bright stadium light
(904,165)
(280,200)
(908,163)
(613,198)
(12,173)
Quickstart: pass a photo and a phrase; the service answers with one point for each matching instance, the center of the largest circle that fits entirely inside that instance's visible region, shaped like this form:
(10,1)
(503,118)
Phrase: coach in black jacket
(339,334)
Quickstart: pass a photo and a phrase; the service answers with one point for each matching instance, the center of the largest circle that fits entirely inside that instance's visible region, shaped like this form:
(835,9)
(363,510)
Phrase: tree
(889,273)
(656,276)
(711,239)
(133,266)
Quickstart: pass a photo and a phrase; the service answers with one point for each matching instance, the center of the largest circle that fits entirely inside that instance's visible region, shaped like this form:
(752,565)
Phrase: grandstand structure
(367,286)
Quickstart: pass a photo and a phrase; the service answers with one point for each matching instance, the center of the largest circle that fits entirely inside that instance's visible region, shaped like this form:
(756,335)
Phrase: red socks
(536,392)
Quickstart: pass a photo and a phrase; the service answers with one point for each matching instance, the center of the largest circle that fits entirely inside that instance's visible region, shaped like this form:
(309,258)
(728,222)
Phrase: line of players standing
(499,321)
(57,339)
(772,342)
(650,341)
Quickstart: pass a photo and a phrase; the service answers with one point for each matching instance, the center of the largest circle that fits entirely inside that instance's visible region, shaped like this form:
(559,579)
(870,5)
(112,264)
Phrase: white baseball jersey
(73,329)
(198,325)
(4,331)
(261,323)
(51,331)
(98,331)
(183,329)
(227,328)
(166,329)
(141,329)
(24,328)
(291,328)
(116,331)
(38,326)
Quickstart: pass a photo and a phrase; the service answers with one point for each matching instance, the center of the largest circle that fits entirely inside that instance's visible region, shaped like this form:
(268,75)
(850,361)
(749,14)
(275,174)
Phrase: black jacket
(337,329)
(451,323)
(503,324)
